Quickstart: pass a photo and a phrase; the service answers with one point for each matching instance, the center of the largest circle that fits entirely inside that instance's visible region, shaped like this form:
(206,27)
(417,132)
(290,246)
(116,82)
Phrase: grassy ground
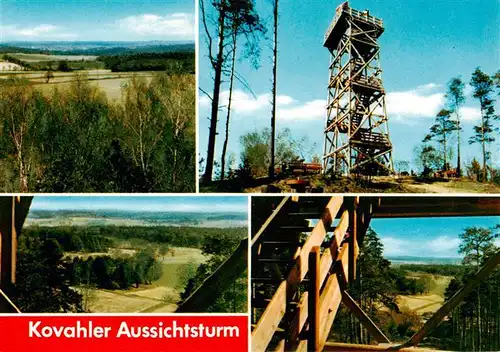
(111,83)
(379,184)
(431,301)
(160,297)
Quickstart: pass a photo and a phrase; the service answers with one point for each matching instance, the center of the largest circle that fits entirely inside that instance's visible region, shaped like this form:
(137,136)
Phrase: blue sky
(96,20)
(426,237)
(201,204)
(425,44)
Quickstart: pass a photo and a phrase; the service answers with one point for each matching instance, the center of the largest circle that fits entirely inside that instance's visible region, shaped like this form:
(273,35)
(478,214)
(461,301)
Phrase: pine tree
(484,132)
(456,97)
(441,132)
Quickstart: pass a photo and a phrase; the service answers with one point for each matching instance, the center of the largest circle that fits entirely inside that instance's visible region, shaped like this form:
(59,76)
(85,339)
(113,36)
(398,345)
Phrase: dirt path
(435,188)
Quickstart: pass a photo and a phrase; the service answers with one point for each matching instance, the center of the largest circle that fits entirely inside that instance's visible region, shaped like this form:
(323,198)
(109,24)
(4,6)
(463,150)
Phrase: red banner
(137,333)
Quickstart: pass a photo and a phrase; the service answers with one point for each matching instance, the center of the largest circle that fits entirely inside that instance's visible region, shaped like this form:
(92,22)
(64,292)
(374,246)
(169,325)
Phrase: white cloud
(177,25)
(468,114)
(244,103)
(311,110)
(429,87)
(444,245)
(422,102)
(440,246)
(394,246)
(425,101)
(42,31)
(414,103)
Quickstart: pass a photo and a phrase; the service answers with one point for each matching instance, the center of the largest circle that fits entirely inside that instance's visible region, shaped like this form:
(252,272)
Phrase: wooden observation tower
(356,131)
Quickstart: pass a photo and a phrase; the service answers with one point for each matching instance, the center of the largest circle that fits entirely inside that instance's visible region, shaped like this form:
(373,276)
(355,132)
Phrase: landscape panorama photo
(97,96)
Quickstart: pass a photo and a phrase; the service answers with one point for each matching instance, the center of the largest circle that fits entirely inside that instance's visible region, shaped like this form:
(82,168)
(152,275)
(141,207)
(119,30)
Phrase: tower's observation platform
(340,23)
(356,131)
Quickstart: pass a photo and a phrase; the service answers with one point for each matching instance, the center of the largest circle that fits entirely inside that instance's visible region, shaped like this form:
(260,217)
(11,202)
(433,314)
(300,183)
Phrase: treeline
(77,141)
(436,269)
(16,61)
(435,152)
(101,238)
(115,273)
(171,62)
(100,50)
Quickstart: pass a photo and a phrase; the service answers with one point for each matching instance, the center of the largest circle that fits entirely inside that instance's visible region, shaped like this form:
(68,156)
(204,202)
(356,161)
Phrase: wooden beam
(6,305)
(349,347)
(328,258)
(332,296)
(458,297)
(353,238)
(8,241)
(318,234)
(225,275)
(330,255)
(280,347)
(313,304)
(298,321)
(269,220)
(377,334)
(270,319)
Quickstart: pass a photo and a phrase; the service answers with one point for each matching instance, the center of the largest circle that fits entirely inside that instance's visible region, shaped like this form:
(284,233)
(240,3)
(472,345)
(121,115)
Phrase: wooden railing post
(313,304)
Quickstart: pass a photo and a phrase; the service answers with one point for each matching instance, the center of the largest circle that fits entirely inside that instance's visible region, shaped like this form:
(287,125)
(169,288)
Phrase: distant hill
(135,218)
(397,260)
(95,48)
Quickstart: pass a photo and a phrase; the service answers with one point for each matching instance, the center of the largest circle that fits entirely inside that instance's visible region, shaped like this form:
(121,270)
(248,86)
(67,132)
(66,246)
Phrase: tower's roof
(339,24)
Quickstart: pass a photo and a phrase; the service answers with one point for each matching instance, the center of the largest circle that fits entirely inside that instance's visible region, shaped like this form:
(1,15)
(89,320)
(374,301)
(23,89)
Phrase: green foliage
(100,238)
(471,325)
(171,62)
(15,60)
(441,132)
(43,278)
(78,141)
(63,66)
(484,133)
(477,244)
(474,170)
(219,248)
(255,157)
(435,269)
(428,159)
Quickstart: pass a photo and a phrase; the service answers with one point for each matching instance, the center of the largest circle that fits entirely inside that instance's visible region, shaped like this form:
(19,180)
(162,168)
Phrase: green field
(160,297)
(432,300)
(109,82)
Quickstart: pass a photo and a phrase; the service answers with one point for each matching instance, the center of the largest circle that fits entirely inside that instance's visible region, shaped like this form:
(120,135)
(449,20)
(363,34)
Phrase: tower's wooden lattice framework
(356,131)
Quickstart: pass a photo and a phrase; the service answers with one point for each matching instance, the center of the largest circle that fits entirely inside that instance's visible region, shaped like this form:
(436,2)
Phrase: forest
(53,275)
(172,62)
(472,326)
(99,238)
(77,140)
